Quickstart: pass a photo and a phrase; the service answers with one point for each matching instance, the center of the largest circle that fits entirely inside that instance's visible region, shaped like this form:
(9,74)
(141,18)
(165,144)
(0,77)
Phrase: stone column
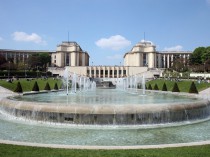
(164,61)
(172,59)
(168,61)
(99,71)
(151,59)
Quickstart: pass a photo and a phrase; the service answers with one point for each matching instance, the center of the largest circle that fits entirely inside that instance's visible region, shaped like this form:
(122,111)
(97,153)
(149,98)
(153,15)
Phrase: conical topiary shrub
(35,87)
(56,86)
(175,88)
(193,88)
(164,87)
(149,87)
(62,86)
(19,88)
(47,86)
(145,86)
(156,87)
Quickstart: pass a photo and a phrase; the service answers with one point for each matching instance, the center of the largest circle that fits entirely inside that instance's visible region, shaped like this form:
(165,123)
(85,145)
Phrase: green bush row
(23,73)
(175,88)
(19,88)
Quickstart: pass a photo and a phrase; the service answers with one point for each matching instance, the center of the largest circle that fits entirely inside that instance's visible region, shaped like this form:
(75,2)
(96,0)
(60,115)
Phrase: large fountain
(85,115)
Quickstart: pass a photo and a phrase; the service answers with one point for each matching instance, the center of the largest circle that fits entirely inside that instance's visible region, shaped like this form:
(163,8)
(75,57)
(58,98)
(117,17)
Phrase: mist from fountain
(77,83)
(131,84)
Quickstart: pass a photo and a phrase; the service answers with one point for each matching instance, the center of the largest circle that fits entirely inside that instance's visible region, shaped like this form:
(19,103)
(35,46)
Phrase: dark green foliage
(18,88)
(175,88)
(149,87)
(145,86)
(164,87)
(156,87)
(193,88)
(47,86)
(56,86)
(35,87)
(62,86)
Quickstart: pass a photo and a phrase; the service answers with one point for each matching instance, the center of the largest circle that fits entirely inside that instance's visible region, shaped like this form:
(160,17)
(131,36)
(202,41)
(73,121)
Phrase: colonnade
(168,59)
(107,71)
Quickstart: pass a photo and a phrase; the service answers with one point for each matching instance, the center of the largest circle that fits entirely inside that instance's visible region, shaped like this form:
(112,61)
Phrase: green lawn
(28,85)
(184,86)
(26,151)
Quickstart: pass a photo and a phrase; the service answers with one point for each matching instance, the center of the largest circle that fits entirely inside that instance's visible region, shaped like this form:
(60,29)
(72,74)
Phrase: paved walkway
(5,92)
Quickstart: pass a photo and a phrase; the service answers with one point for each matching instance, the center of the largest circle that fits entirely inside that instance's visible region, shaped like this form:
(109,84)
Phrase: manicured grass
(184,86)
(25,151)
(28,85)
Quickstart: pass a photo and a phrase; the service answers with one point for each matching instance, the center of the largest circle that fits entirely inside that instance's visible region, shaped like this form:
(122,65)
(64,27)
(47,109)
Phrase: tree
(47,86)
(34,61)
(45,59)
(193,88)
(2,61)
(35,87)
(149,87)
(18,88)
(156,87)
(164,88)
(56,86)
(175,88)
(196,58)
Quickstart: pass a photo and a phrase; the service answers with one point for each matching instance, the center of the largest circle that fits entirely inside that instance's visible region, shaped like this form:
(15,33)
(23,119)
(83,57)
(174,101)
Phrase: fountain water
(91,112)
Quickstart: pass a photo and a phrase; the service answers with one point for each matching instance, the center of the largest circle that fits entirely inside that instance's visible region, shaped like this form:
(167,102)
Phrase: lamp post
(9,70)
(25,68)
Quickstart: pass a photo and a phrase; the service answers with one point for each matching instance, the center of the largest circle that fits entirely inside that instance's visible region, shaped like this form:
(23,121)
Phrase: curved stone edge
(18,143)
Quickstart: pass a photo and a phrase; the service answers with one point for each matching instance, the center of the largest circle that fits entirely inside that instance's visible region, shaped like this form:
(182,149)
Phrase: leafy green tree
(196,57)
(45,59)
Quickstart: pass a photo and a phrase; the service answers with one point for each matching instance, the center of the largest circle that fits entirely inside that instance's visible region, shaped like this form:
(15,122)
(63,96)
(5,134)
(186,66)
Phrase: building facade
(69,54)
(144,54)
(143,57)
(17,56)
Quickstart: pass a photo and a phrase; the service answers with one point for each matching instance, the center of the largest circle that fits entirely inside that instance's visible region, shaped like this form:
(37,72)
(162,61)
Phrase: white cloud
(22,36)
(116,56)
(174,48)
(116,42)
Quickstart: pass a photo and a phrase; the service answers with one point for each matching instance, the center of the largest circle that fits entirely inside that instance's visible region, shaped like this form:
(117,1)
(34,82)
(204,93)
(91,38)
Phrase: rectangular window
(124,72)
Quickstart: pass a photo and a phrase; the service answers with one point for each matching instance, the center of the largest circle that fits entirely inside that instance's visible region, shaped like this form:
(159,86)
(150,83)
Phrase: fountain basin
(106,114)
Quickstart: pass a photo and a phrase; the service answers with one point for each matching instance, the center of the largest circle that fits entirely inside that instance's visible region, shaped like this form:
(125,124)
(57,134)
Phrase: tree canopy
(200,55)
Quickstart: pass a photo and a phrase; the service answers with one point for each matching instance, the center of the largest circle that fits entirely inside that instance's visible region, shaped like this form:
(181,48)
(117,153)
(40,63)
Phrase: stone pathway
(5,92)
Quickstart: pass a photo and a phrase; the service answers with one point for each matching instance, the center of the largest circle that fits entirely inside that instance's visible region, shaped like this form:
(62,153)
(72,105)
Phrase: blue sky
(106,29)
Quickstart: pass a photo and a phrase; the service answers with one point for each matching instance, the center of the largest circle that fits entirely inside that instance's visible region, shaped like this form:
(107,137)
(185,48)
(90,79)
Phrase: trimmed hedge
(149,87)
(47,86)
(35,87)
(164,88)
(19,88)
(56,86)
(22,74)
(193,88)
(156,87)
(175,88)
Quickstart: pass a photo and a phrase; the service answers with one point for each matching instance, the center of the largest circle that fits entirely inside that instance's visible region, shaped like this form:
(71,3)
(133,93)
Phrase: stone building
(69,54)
